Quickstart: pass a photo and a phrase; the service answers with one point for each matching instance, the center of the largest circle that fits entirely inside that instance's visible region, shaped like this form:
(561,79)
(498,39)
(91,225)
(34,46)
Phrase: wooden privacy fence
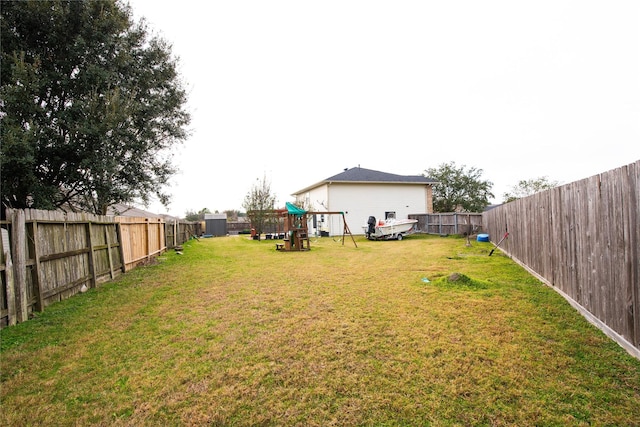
(449,223)
(583,239)
(141,239)
(48,256)
(178,232)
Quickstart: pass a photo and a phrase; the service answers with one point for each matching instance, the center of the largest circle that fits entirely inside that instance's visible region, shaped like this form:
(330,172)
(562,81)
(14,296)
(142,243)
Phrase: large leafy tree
(459,189)
(259,203)
(528,187)
(91,106)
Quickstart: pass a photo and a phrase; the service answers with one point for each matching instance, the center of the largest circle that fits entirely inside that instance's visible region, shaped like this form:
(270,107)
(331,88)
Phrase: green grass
(236,333)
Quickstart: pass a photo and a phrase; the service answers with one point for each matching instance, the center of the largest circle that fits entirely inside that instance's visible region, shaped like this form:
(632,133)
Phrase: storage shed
(215,224)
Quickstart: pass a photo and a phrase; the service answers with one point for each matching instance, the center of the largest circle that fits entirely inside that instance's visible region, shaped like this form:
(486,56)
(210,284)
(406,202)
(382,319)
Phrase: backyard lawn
(233,332)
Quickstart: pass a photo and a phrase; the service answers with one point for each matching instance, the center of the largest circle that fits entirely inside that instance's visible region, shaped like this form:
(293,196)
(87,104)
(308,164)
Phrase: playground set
(296,229)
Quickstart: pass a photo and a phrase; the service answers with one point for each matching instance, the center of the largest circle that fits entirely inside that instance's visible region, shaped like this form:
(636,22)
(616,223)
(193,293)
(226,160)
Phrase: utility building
(215,224)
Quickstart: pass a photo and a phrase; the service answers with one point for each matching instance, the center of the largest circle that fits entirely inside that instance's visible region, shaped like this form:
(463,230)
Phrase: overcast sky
(296,91)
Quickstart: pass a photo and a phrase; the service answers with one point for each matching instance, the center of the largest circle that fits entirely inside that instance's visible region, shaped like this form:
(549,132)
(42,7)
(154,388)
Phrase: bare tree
(232,214)
(259,204)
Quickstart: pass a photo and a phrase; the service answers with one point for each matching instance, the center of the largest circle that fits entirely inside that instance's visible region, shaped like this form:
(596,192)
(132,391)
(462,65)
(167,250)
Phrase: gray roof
(367,175)
(120,209)
(362,176)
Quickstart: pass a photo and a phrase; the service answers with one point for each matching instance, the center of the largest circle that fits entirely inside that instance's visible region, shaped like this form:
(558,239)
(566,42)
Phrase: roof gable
(360,175)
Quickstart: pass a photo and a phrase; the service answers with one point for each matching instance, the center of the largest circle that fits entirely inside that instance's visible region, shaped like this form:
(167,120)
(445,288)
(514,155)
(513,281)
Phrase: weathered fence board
(583,239)
(19,257)
(9,296)
(54,254)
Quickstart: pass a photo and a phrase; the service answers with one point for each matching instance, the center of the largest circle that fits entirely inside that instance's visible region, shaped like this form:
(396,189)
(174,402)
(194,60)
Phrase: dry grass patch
(235,333)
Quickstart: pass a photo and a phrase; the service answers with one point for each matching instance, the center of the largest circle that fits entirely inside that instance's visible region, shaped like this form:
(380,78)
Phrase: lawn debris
(460,280)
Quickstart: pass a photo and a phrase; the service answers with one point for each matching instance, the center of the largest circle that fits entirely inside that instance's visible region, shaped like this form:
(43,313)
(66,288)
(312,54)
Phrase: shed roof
(215,216)
(360,175)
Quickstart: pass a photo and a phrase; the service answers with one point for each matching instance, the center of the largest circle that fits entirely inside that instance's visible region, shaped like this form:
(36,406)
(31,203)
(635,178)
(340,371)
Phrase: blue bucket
(483,238)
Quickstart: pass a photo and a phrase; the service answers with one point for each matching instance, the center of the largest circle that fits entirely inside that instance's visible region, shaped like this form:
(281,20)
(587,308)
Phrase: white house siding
(317,199)
(359,201)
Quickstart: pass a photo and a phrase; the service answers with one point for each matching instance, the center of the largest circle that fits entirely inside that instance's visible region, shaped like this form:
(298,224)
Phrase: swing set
(296,228)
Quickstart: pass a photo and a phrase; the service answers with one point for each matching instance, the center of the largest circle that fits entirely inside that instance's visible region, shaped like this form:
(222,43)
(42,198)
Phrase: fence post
(120,245)
(148,239)
(109,257)
(162,239)
(18,244)
(455,223)
(92,267)
(11,291)
(37,273)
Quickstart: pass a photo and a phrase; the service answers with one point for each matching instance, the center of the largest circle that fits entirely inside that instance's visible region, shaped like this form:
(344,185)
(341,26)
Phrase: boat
(389,229)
